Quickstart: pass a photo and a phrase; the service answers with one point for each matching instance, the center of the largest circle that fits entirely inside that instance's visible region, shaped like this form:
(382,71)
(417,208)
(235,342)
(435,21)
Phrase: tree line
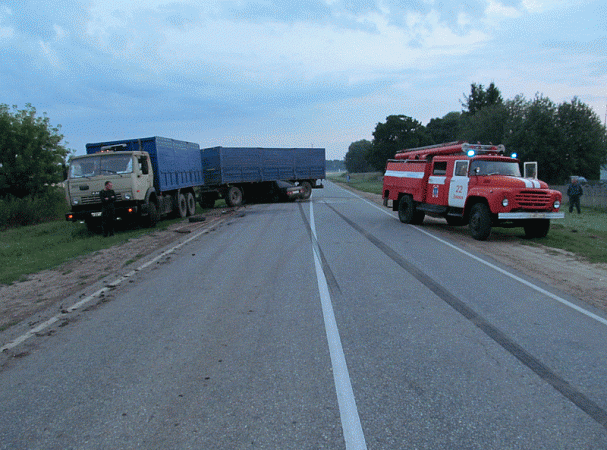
(565,139)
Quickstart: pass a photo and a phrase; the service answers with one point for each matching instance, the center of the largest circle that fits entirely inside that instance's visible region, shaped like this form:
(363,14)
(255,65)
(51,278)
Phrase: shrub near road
(584,235)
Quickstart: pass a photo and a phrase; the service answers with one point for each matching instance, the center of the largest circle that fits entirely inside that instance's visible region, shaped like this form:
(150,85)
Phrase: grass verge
(584,235)
(31,249)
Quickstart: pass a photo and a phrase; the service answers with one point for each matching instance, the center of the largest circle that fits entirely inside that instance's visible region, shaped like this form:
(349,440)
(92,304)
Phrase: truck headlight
(505,202)
(556,204)
(127,196)
(75,201)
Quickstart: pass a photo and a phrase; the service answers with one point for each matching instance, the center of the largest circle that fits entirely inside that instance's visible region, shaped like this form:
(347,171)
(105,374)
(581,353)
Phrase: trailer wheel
(307,189)
(480,222)
(191,202)
(182,206)
(234,196)
(537,228)
(406,209)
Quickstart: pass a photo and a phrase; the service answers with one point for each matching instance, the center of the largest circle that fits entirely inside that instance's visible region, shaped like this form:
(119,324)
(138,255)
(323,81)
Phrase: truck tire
(537,228)
(480,222)
(191,202)
(234,196)
(182,206)
(406,209)
(307,189)
(152,218)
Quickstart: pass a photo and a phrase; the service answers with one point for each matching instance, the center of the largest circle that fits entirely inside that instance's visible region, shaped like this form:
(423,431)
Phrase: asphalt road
(324,324)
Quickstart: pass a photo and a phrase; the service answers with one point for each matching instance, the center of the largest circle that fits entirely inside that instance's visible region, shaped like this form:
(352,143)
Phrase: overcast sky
(287,73)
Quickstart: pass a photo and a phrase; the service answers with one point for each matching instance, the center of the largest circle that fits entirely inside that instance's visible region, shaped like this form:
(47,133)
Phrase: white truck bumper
(531,215)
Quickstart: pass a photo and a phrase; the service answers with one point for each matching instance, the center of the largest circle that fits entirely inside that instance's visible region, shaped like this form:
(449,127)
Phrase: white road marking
(350,421)
(494,267)
(86,300)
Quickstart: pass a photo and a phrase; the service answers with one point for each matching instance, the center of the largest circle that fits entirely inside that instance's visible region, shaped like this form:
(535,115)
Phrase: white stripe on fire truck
(403,174)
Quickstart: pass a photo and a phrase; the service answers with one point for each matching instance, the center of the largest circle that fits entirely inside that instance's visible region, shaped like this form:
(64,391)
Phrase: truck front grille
(92,199)
(533,200)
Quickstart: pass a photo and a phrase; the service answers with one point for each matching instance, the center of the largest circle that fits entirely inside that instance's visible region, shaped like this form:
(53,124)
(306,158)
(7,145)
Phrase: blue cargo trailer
(152,177)
(232,172)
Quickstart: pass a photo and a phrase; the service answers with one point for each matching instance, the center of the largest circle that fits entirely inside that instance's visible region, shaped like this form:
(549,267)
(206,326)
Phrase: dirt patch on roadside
(560,269)
(49,288)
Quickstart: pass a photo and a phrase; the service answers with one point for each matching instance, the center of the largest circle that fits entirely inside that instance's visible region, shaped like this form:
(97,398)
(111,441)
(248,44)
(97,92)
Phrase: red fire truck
(470,184)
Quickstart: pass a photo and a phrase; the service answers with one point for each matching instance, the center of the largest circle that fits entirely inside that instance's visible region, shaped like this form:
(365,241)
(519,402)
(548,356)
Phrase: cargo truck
(152,177)
(237,174)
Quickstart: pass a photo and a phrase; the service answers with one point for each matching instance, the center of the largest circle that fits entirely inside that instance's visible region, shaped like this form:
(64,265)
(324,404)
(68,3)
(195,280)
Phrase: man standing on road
(574,191)
(108,211)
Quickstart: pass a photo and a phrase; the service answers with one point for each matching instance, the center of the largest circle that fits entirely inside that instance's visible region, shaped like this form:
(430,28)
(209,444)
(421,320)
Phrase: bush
(16,212)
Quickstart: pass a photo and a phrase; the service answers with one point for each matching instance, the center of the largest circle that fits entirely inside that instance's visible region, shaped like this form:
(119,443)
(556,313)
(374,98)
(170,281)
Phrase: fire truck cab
(469,184)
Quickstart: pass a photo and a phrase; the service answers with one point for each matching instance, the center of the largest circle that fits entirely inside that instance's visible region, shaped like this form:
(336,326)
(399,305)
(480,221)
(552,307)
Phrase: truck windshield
(101,165)
(482,167)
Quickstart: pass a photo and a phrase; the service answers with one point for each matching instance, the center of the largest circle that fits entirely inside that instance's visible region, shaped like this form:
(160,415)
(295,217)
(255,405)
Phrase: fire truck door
(437,187)
(458,185)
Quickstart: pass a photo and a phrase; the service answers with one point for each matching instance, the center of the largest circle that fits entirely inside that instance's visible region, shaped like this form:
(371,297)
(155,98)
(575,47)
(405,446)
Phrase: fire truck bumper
(531,215)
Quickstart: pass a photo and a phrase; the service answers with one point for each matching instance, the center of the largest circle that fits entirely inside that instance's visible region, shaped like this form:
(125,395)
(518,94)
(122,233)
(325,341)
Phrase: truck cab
(130,173)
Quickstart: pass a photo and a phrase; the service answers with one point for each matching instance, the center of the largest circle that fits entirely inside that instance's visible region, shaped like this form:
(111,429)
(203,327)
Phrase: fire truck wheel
(406,209)
(537,228)
(191,202)
(480,222)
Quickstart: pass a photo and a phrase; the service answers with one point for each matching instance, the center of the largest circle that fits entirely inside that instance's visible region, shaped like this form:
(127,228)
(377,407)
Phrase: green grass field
(30,249)
(585,234)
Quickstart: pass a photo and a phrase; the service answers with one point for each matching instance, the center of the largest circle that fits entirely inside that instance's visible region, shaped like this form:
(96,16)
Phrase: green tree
(480,98)
(532,133)
(355,160)
(486,125)
(398,133)
(31,154)
(445,129)
(583,139)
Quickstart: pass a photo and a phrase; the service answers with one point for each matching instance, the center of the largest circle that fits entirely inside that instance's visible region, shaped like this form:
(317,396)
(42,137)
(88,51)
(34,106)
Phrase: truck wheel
(307,189)
(537,228)
(234,196)
(152,218)
(406,209)
(182,206)
(480,222)
(191,202)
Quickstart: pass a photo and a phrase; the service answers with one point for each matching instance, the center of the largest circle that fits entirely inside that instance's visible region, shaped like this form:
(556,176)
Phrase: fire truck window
(461,168)
(440,168)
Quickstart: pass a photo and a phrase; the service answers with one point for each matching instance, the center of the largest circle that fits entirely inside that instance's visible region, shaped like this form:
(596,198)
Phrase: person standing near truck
(108,210)
(574,191)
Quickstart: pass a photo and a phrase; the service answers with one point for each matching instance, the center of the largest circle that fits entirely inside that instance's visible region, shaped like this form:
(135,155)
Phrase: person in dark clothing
(108,211)
(574,191)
